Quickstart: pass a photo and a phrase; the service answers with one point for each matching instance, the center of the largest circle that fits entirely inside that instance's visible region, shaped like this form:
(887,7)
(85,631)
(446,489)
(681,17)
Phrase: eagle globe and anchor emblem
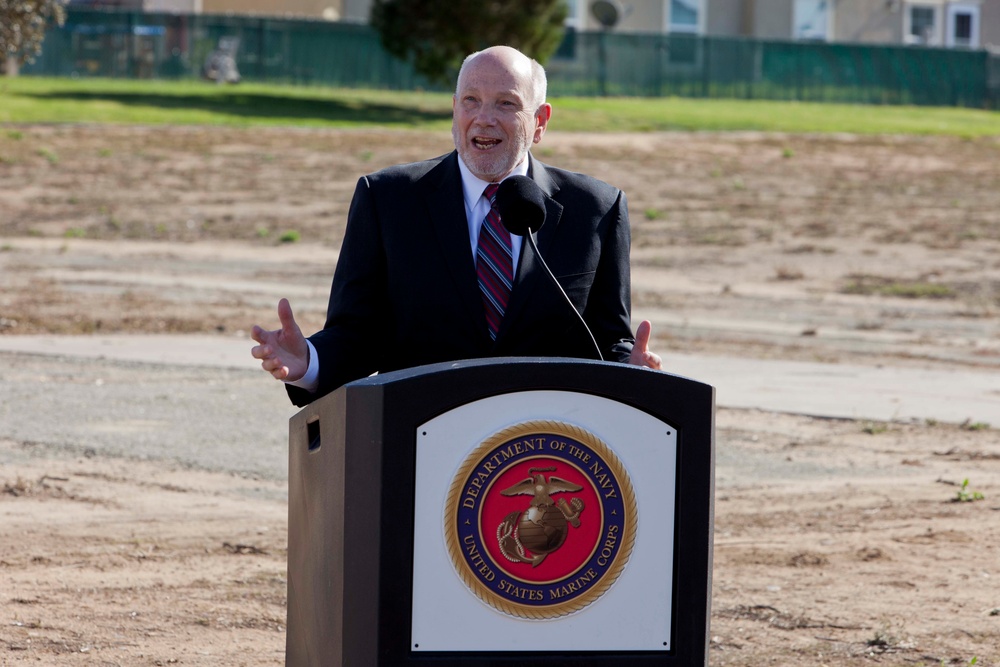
(544,525)
(540,519)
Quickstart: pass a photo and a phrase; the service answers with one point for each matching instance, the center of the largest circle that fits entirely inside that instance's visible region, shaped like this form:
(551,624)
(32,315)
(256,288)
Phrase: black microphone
(521,204)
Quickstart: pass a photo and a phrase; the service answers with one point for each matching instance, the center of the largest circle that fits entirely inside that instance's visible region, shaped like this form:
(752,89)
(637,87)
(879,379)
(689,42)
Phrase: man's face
(494,118)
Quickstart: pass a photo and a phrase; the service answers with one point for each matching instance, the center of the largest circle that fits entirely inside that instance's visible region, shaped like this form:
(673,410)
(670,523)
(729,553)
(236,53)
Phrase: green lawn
(45,100)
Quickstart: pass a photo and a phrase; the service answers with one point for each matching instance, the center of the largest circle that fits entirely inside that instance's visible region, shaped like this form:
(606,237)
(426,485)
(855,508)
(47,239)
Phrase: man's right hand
(284,352)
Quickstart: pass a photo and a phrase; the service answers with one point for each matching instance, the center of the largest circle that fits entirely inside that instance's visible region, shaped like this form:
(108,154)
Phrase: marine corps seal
(540,520)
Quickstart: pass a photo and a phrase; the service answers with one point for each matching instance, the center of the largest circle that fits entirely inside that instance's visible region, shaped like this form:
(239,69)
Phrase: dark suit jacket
(405,292)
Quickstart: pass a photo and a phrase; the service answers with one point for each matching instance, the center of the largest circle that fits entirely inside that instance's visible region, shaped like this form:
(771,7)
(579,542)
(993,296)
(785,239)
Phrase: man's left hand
(641,356)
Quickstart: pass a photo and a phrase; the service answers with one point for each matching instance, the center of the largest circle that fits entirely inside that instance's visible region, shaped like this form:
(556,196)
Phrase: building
(972,24)
(943,23)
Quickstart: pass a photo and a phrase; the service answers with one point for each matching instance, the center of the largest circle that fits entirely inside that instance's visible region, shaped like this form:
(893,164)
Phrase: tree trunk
(11,66)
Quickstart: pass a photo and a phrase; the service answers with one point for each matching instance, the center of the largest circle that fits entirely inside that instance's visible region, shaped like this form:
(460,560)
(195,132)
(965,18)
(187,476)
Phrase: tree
(22,29)
(438,34)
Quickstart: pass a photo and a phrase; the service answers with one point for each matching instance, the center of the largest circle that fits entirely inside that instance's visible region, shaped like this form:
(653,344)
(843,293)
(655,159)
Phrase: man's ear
(542,117)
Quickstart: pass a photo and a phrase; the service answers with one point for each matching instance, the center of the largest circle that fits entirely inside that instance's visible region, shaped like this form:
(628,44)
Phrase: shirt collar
(472,186)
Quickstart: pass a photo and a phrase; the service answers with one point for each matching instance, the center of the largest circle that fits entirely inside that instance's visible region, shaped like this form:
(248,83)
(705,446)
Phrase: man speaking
(429,273)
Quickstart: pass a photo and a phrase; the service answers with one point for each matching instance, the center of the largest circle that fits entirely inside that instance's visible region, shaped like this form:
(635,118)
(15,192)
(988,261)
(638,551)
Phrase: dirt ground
(837,542)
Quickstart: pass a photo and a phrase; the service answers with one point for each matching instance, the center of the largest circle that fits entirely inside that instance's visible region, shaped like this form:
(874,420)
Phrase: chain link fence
(141,45)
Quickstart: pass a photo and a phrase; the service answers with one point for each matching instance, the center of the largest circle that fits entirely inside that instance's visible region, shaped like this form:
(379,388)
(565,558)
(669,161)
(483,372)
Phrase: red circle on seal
(579,542)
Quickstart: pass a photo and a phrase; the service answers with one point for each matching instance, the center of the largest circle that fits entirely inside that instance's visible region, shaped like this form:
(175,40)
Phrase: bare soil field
(836,542)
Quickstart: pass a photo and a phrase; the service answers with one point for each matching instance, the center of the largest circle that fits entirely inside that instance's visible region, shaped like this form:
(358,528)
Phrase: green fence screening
(141,45)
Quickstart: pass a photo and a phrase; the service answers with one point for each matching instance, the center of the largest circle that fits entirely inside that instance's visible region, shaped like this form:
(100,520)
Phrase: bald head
(529,73)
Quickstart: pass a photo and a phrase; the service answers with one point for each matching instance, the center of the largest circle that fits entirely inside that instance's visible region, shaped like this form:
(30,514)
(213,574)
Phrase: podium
(504,512)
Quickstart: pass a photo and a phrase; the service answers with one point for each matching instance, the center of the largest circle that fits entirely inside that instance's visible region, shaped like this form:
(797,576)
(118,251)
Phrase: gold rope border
(630,521)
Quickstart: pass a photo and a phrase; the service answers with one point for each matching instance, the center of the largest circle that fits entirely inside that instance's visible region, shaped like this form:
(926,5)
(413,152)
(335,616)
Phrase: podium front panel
(564,602)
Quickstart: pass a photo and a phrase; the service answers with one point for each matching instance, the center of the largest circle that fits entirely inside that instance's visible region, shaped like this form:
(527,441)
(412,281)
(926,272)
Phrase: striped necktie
(494,264)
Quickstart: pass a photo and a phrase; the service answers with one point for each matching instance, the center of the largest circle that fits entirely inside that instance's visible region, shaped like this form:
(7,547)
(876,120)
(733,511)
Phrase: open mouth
(485,143)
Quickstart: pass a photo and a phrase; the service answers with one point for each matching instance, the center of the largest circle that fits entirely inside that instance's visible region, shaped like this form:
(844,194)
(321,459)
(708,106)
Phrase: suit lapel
(445,202)
(529,269)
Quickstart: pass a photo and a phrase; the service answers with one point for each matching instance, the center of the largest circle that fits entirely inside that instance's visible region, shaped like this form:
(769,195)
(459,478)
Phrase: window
(963,26)
(685,15)
(573,18)
(811,20)
(921,25)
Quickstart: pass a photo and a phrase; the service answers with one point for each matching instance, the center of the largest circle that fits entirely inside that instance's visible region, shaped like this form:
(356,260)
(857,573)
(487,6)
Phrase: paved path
(818,389)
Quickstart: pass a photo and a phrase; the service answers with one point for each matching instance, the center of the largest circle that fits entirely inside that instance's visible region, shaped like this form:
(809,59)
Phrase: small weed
(870,325)
(6,247)
(883,641)
(975,426)
(15,135)
(874,428)
(104,152)
(291,236)
(788,273)
(49,155)
(366,156)
(653,214)
(868,285)
(263,232)
(75,233)
(963,495)
(787,153)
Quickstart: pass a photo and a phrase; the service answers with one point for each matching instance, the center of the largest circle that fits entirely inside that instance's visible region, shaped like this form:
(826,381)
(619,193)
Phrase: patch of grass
(75,233)
(291,236)
(30,99)
(721,115)
(652,214)
(63,100)
(870,285)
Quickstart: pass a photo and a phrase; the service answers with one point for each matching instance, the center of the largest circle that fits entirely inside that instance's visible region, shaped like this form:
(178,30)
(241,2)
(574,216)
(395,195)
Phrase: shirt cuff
(309,381)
